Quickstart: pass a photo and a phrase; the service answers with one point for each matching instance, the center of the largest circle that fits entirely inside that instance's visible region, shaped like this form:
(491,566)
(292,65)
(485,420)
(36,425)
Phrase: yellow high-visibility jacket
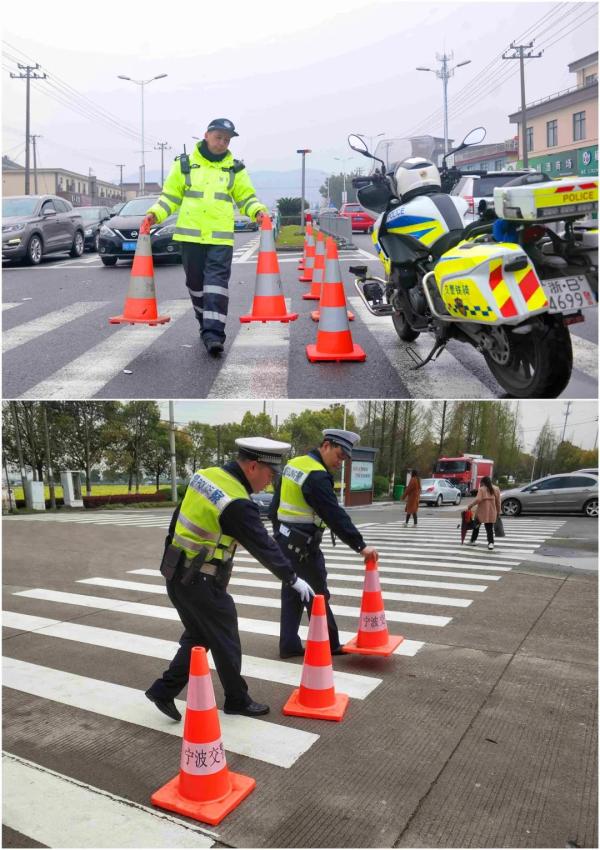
(205,199)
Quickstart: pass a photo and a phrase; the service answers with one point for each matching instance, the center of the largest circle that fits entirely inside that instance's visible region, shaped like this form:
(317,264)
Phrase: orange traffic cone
(316,696)
(307,234)
(333,274)
(334,340)
(308,259)
(140,303)
(269,303)
(373,637)
(318,271)
(205,789)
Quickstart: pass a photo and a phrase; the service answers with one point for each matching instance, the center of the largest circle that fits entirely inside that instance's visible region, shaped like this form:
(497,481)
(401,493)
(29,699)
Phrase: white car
(475,188)
(438,491)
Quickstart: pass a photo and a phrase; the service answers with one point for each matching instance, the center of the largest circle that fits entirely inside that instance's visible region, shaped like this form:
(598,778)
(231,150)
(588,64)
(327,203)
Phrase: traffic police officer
(303,506)
(215,515)
(203,187)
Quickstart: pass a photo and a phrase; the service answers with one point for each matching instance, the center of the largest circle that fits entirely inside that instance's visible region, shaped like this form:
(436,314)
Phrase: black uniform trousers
(210,619)
(207,272)
(313,571)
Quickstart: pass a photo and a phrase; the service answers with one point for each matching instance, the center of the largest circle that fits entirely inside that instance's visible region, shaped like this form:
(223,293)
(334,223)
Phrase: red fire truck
(464,472)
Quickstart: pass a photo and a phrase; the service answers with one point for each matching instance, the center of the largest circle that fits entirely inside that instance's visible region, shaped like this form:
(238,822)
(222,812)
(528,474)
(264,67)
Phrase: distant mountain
(272,185)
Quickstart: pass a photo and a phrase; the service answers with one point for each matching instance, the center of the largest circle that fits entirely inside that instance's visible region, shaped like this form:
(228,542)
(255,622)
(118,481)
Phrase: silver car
(571,491)
(35,225)
(438,491)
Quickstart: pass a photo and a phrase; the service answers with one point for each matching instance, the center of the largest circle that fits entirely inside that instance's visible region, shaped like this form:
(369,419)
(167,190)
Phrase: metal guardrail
(337,226)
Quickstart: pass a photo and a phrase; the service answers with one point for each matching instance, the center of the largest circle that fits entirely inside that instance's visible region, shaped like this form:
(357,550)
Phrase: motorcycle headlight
(12,228)
(106,231)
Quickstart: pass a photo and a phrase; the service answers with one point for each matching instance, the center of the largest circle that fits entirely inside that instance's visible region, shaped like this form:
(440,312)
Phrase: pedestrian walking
(303,506)
(203,187)
(215,515)
(487,508)
(412,494)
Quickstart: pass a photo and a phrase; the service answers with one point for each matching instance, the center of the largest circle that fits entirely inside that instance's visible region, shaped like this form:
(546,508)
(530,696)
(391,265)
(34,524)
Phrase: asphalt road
(58,342)
(480,731)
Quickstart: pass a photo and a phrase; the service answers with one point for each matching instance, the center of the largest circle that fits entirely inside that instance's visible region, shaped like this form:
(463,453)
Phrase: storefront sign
(361,475)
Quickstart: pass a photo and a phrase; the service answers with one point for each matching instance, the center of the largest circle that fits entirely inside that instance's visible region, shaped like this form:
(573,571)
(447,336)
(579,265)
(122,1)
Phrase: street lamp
(343,159)
(142,83)
(303,151)
(370,138)
(444,74)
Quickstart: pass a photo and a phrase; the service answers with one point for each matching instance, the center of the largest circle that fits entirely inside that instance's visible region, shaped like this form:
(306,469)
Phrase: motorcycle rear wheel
(539,365)
(402,328)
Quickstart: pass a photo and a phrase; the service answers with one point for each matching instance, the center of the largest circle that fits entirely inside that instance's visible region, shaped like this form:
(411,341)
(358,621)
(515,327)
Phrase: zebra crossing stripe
(10,305)
(397,582)
(162,612)
(452,380)
(85,376)
(246,736)
(21,334)
(257,363)
(585,356)
(353,684)
(268,602)
(383,571)
(385,564)
(342,591)
(47,806)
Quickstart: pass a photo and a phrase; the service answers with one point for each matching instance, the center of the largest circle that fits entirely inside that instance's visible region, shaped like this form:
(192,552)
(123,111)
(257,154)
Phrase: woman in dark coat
(412,495)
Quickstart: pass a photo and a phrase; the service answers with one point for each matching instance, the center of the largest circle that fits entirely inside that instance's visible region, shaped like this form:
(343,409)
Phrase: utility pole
(567,414)
(162,147)
(121,166)
(48,461)
(303,151)
(13,410)
(27,76)
(519,53)
(173,454)
(35,183)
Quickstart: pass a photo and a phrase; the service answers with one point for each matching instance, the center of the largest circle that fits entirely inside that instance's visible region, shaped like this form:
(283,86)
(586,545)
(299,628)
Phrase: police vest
(208,494)
(293,507)
(204,195)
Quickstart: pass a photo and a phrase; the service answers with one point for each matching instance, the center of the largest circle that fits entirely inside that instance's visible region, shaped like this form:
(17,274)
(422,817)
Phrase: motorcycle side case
(475,284)
(571,197)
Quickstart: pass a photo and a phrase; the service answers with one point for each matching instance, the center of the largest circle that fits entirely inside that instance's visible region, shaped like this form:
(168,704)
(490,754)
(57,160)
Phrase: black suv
(93,218)
(36,225)
(118,236)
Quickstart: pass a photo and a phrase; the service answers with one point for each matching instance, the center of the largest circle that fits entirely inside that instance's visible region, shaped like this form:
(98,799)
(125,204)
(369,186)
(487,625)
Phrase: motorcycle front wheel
(533,365)
(403,329)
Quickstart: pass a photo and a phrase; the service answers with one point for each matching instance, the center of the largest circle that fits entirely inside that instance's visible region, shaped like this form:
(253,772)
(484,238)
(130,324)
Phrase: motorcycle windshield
(393,151)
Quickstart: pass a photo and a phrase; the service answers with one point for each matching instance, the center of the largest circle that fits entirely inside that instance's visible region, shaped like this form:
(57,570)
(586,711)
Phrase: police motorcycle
(506,284)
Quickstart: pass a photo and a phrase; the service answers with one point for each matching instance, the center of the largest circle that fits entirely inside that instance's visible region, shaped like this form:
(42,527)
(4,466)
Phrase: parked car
(36,225)
(161,238)
(360,220)
(570,491)
(475,188)
(93,218)
(438,491)
(118,235)
(263,500)
(242,222)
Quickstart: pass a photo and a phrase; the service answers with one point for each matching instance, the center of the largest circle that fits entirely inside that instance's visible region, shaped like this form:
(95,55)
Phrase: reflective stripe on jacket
(209,492)
(293,507)
(204,199)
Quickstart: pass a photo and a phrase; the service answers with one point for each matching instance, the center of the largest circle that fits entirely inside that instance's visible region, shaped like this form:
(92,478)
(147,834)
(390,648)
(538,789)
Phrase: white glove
(303,588)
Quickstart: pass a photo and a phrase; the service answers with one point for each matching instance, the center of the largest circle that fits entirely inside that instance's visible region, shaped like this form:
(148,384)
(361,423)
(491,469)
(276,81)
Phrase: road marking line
(267,602)
(397,582)
(161,612)
(257,363)
(9,305)
(446,378)
(382,570)
(52,809)
(87,374)
(267,669)
(29,331)
(585,356)
(246,736)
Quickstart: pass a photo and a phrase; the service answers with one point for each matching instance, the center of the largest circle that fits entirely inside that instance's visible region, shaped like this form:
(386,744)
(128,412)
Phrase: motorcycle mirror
(358,144)
(474,137)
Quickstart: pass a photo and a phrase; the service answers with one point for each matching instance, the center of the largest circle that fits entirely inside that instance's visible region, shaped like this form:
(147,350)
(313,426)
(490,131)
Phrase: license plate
(568,293)
(129,246)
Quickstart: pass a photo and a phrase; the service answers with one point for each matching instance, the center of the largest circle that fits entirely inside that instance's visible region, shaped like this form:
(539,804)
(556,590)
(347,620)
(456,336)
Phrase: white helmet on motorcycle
(415,174)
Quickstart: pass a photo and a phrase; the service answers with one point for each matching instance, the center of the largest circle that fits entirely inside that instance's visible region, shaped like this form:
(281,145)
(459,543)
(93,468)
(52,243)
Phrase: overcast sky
(581,424)
(289,73)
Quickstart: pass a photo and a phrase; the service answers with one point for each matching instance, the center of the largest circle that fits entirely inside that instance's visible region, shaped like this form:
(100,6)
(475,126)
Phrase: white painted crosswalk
(107,614)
